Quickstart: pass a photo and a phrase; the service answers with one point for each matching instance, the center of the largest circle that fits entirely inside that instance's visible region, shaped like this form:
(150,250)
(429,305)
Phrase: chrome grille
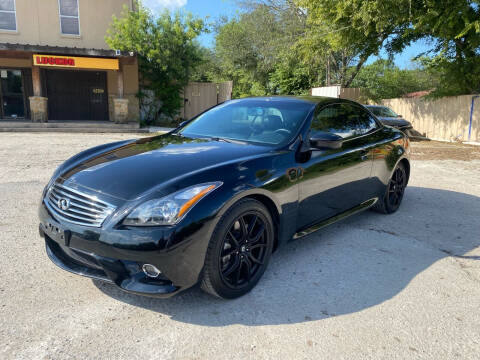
(76,207)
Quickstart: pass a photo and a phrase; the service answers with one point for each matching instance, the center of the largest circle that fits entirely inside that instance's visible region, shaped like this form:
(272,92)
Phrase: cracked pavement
(373,286)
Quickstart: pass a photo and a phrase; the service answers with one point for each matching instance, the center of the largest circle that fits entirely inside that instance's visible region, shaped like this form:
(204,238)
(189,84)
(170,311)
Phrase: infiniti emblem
(63,204)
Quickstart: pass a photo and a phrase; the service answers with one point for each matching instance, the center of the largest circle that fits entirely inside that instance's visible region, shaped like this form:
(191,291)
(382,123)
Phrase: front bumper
(128,276)
(117,255)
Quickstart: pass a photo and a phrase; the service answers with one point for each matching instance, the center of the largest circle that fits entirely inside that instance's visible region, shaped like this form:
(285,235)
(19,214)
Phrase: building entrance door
(77,95)
(11,94)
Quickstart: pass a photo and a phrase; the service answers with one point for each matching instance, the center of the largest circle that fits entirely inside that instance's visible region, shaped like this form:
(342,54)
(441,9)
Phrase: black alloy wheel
(239,250)
(396,187)
(244,250)
(395,191)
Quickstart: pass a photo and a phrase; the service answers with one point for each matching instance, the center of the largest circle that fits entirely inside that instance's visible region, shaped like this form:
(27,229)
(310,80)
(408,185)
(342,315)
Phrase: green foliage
(166,49)
(453,79)
(208,70)
(239,47)
(256,50)
(355,30)
(454,26)
(287,46)
(364,27)
(292,76)
(383,80)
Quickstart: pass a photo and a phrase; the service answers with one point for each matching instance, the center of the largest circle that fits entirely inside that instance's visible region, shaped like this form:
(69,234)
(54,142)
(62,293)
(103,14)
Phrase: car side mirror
(325,140)
(183,123)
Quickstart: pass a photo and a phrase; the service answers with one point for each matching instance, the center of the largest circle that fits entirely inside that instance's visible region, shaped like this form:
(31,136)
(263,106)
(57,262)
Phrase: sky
(213,9)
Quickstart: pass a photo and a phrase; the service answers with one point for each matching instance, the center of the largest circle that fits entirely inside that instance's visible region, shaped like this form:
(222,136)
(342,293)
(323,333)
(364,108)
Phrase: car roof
(314,100)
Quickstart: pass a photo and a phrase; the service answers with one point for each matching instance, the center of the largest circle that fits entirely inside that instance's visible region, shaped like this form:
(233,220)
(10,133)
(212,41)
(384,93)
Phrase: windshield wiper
(230,141)
(216,138)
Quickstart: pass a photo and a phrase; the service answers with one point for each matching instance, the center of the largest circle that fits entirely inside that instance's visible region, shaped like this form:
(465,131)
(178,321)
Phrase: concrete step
(67,124)
(75,130)
(70,126)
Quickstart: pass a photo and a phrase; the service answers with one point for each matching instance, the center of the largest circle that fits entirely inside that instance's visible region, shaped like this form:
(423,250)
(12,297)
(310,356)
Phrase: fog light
(151,271)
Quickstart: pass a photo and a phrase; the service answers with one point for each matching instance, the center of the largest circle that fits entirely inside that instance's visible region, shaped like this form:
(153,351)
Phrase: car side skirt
(355,210)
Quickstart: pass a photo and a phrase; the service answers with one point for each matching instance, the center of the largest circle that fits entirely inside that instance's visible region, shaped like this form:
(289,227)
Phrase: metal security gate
(77,95)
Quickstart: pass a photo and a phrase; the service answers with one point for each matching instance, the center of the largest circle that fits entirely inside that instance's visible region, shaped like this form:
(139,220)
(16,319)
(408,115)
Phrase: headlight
(170,209)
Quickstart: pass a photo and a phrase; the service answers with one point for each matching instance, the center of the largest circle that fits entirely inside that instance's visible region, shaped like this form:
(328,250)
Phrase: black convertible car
(210,201)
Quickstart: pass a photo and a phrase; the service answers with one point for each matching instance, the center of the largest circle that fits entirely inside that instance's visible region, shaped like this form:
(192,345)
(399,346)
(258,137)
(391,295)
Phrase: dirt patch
(436,150)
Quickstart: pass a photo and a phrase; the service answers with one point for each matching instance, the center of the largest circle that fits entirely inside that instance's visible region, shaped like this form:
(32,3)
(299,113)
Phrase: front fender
(253,193)
(388,154)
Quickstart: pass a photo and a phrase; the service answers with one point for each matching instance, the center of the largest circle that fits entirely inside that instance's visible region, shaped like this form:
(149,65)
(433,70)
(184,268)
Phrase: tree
(166,49)
(455,27)
(293,75)
(209,68)
(452,79)
(255,47)
(364,27)
(359,29)
(383,80)
(244,46)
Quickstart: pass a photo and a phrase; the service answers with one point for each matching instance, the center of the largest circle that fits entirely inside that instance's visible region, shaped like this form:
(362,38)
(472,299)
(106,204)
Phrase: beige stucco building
(55,64)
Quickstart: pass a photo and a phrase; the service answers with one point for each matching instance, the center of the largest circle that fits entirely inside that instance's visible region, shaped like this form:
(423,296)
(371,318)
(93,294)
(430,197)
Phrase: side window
(69,17)
(344,120)
(240,116)
(275,112)
(366,122)
(8,20)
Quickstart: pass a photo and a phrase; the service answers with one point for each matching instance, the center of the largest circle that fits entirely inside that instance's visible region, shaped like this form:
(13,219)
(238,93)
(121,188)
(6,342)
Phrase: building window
(8,18)
(69,17)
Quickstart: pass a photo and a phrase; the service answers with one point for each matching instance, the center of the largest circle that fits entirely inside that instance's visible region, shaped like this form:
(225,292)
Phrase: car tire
(392,199)
(239,250)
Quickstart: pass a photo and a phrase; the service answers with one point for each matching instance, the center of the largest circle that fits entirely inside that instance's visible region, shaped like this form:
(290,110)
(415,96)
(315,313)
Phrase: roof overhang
(45,49)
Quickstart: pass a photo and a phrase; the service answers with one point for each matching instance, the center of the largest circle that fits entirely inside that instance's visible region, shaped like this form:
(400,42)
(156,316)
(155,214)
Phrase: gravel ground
(435,150)
(374,286)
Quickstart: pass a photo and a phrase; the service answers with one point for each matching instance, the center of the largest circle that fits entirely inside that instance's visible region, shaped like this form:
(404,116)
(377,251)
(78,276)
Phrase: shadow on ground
(348,267)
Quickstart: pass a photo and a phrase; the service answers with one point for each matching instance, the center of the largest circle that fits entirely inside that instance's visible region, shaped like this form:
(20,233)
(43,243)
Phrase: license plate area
(57,233)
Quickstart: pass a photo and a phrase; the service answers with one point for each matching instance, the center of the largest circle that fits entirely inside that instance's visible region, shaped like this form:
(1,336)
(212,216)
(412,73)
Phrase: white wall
(327,91)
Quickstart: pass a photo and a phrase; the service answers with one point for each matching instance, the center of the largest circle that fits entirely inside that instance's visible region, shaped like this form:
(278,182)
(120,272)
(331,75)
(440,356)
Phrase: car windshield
(382,111)
(264,122)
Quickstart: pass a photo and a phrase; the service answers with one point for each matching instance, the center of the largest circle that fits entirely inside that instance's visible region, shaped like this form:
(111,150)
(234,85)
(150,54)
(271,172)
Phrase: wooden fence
(199,97)
(445,119)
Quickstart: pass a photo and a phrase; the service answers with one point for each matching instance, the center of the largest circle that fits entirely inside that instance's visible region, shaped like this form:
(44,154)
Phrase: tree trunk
(357,70)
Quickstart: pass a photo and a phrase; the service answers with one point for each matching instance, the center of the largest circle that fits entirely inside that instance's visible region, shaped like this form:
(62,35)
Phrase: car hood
(395,122)
(130,170)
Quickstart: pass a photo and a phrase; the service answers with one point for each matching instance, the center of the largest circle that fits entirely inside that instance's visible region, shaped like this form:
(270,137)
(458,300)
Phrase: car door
(336,180)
